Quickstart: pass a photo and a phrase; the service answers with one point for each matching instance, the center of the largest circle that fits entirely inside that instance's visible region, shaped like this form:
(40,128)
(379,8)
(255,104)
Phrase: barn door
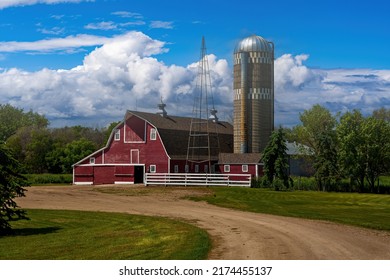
(104,175)
(138,174)
(134,156)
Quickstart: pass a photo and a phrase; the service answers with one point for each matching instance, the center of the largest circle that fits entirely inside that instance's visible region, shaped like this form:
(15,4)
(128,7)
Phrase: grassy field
(55,234)
(365,210)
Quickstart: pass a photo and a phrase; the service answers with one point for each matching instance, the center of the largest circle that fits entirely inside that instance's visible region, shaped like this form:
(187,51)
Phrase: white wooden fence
(198,179)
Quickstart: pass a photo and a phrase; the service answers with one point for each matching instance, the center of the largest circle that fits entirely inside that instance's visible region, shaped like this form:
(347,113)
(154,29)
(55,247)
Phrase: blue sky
(86,62)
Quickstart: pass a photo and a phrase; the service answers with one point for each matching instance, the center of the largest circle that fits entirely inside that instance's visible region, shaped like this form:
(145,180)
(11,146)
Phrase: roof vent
(161,107)
(213,117)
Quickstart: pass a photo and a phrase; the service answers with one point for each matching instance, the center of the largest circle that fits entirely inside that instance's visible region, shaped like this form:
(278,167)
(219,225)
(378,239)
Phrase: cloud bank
(121,74)
(298,88)
(124,72)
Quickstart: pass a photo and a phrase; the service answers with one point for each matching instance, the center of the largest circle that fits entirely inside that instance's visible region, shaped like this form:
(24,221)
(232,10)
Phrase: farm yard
(237,234)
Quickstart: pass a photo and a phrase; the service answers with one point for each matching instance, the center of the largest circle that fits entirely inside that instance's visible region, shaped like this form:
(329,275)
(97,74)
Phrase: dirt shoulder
(235,234)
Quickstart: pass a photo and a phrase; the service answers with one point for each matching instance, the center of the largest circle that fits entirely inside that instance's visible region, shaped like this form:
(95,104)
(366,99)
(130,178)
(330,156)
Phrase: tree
(351,148)
(30,146)
(275,160)
(75,151)
(12,119)
(376,148)
(12,185)
(317,131)
(37,150)
(316,121)
(382,114)
(364,149)
(325,163)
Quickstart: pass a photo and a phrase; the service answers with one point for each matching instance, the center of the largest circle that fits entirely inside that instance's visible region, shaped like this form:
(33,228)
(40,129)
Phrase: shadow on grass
(33,231)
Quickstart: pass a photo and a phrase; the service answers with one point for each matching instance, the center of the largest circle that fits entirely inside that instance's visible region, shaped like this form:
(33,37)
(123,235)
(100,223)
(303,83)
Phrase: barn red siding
(180,166)
(134,130)
(83,174)
(124,173)
(115,163)
(104,175)
(237,169)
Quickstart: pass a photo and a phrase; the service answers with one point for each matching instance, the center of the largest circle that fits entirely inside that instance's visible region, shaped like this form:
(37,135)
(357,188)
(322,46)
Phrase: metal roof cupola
(161,107)
(254,43)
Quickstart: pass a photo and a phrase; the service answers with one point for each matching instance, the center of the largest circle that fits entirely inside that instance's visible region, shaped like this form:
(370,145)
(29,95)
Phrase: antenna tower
(202,143)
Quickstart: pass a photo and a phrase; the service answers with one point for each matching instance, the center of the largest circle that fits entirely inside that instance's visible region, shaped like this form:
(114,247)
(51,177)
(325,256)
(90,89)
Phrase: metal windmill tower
(203,140)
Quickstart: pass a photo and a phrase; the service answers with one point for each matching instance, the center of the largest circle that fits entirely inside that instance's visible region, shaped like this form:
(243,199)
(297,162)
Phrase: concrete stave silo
(253,94)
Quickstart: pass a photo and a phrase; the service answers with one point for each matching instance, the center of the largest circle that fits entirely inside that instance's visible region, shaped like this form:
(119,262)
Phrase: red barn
(146,142)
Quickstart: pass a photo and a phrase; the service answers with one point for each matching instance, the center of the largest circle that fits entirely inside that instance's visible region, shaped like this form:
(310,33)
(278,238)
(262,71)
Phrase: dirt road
(235,234)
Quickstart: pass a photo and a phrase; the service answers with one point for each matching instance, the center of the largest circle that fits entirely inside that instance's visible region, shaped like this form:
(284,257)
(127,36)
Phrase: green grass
(365,210)
(57,234)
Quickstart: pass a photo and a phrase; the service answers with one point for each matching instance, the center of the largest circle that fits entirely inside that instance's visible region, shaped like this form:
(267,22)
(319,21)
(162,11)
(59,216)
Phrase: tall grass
(48,179)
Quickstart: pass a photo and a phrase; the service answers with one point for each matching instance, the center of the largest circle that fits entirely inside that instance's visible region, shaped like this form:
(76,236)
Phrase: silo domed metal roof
(253,43)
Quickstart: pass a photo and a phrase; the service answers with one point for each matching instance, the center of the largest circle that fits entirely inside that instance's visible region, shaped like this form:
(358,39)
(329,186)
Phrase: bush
(277,184)
(45,179)
(305,183)
(260,182)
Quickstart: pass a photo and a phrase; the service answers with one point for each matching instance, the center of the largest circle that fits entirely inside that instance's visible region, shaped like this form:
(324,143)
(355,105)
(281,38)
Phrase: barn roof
(174,132)
(230,158)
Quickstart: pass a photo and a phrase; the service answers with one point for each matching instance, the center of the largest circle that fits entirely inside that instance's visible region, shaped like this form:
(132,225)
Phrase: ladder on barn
(202,142)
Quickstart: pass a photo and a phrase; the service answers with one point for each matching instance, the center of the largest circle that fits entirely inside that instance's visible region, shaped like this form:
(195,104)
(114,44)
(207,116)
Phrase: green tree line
(339,147)
(342,146)
(41,149)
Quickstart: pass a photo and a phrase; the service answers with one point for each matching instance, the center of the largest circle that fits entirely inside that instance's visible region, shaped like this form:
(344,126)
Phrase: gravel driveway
(235,234)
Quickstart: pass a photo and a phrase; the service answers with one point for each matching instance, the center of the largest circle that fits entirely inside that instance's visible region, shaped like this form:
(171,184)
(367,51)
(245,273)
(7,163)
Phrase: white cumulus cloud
(12,3)
(298,87)
(124,72)
(54,44)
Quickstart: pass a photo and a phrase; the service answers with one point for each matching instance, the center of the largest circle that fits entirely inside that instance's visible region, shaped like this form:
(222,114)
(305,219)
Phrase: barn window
(196,168)
(186,168)
(117,135)
(226,168)
(206,168)
(153,134)
(92,160)
(244,168)
(152,169)
(176,169)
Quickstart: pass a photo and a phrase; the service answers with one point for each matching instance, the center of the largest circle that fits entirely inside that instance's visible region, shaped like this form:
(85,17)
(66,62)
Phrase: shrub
(305,183)
(260,182)
(43,179)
